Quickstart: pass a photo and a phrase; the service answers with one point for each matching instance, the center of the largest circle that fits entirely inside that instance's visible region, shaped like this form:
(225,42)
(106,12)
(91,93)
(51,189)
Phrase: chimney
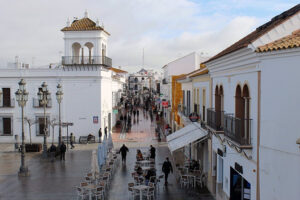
(86,14)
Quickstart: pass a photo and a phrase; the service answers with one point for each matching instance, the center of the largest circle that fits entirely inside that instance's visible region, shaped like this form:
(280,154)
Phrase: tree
(30,123)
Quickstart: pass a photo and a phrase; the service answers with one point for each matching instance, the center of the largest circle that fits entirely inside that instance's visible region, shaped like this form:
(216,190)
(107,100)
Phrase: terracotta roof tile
(244,42)
(84,24)
(117,70)
(290,41)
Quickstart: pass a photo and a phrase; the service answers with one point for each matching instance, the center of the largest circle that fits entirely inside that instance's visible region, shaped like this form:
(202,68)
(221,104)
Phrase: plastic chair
(184,181)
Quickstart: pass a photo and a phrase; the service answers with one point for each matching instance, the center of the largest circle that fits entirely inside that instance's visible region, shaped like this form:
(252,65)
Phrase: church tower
(85,43)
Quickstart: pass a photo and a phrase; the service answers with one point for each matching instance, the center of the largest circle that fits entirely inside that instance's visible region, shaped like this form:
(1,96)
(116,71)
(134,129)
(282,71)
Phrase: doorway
(240,188)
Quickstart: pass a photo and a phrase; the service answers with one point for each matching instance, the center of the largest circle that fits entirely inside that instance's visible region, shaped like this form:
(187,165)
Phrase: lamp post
(22,98)
(44,97)
(59,95)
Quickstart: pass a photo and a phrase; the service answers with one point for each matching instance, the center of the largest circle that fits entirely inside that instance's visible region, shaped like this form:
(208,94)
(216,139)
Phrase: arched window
(242,114)
(75,53)
(239,108)
(88,53)
(218,107)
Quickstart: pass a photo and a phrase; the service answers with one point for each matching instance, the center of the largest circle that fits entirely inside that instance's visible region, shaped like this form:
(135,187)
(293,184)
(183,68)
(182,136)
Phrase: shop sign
(115,111)
(95,119)
(165,104)
(194,117)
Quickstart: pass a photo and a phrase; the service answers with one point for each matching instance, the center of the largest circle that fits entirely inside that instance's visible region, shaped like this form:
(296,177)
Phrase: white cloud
(166,29)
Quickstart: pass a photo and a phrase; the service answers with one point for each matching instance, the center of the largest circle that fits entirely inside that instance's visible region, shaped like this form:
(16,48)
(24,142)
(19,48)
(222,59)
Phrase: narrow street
(141,136)
(58,180)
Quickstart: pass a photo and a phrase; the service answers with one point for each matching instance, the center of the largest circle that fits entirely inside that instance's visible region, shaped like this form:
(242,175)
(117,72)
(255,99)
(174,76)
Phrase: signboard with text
(95,119)
(165,104)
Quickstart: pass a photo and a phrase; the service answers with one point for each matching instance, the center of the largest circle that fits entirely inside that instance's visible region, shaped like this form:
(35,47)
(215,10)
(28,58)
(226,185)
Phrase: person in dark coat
(105,132)
(63,149)
(152,152)
(166,169)
(123,151)
(100,135)
(52,152)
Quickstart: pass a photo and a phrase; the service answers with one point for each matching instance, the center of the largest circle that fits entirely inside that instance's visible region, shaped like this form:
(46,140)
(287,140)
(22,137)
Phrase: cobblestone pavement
(56,180)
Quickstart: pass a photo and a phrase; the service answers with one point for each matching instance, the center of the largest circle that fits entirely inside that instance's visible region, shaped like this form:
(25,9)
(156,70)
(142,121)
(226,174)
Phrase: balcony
(87,60)
(238,130)
(37,103)
(7,103)
(215,119)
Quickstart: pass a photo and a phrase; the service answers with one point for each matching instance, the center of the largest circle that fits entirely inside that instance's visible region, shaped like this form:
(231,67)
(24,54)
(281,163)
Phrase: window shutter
(37,126)
(1,126)
(1,101)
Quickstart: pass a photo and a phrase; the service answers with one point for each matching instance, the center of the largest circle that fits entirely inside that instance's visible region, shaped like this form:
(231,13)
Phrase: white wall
(86,94)
(279,153)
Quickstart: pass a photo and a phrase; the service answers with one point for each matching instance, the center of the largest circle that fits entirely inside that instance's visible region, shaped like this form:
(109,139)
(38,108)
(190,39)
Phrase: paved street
(57,180)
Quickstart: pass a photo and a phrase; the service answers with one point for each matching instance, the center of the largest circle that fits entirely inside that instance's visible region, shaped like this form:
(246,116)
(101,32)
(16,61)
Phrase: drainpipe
(258,134)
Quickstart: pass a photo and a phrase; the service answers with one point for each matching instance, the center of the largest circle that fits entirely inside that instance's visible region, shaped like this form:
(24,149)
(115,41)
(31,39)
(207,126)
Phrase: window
(6,125)
(6,97)
(40,126)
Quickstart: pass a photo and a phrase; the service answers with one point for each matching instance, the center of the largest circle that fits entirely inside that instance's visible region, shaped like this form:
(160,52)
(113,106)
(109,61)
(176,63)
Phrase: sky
(165,29)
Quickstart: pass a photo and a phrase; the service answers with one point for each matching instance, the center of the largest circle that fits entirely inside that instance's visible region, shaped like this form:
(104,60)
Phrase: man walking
(167,168)
(72,140)
(100,135)
(63,149)
(123,151)
(152,152)
(105,132)
(52,152)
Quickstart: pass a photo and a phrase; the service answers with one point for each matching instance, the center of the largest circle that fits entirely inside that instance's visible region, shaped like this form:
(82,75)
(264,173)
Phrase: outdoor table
(145,162)
(145,168)
(140,188)
(192,176)
(90,187)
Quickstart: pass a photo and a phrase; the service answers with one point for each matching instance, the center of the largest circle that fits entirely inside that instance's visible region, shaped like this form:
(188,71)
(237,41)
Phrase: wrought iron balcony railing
(215,119)
(87,60)
(238,130)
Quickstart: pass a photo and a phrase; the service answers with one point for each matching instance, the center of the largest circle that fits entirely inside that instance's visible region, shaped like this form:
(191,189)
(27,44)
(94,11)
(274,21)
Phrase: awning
(182,131)
(185,137)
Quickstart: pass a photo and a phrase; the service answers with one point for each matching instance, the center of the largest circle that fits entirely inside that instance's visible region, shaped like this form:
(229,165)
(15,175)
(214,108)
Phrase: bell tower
(85,43)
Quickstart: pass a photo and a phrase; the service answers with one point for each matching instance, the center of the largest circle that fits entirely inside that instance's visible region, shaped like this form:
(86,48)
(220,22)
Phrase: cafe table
(141,188)
(90,187)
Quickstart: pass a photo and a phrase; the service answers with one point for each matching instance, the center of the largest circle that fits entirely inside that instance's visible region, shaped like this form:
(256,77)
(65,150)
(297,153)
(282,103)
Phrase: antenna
(143,57)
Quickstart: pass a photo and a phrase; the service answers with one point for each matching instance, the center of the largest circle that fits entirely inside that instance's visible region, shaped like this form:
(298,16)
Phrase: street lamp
(59,97)
(22,98)
(44,97)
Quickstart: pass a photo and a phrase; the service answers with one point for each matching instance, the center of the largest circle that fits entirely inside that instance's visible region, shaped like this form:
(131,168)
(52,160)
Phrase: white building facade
(253,157)
(88,84)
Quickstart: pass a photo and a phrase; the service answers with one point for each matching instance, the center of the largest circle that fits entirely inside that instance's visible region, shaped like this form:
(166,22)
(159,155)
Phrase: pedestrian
(137,113)
(134,113)
(63,149)
(100,135)
(123,151)
(52,152)
(166,169)
(152,152)
(105,132)
(72,140)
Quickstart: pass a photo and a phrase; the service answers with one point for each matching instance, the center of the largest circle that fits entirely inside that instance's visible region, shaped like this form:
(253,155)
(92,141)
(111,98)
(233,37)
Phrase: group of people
(166,167)
(100,133)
